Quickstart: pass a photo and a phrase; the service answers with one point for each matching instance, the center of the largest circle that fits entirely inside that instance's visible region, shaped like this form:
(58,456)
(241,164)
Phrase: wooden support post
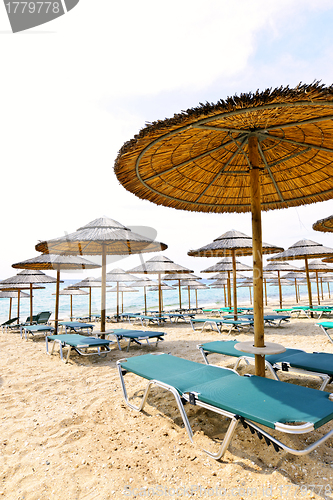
(103,291)
(309,284)
(234,287)
(56,312)
(31,307)
(280,289)
(258,308)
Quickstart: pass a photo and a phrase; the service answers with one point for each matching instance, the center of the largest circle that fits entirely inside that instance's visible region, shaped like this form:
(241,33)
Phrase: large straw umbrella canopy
(252,152)
(29,278)
(57,263)
(72,291)
(324,225)
(103,236)
(304,249)
(12,294)
(160,265)
(232,243)
(89,283)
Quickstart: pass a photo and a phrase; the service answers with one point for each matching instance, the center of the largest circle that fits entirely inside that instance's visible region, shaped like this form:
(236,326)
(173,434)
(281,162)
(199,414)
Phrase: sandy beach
(67,433)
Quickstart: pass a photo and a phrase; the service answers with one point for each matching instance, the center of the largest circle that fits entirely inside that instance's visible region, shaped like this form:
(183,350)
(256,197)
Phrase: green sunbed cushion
(76,324)
(326,324)
(136,334)
(75,340)
(38,328)
(227,347)
(261,400)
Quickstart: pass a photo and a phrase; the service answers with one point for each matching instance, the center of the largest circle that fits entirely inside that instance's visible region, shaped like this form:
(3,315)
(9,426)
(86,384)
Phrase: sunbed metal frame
(63,344)
(325,331)
(237,325)
(33,330)
(283,366)
(192,398)
(142,335)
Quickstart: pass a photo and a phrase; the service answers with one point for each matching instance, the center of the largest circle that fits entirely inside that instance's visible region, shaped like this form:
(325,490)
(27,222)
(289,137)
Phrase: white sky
(75,89)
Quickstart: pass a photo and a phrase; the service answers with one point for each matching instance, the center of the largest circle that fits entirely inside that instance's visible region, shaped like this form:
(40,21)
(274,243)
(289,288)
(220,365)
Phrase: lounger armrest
(294,429)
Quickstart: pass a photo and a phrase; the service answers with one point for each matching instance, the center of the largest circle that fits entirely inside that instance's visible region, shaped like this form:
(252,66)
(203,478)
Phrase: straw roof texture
(122,288)
(230,242)
(50,261)
(199,159)
(319,266)
(119,275)
(88,283)
(225,265)
(325,225)
(72,291)
(105,233)
(158,265)
(304,249)
(280,266)
(29,276)
(13,294)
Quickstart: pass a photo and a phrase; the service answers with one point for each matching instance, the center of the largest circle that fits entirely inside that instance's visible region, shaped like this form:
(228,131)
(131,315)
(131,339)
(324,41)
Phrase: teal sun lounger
(135,336)
(252,401)
(316,364)
(232,324)
(325,327)
(35,330)
(85,346)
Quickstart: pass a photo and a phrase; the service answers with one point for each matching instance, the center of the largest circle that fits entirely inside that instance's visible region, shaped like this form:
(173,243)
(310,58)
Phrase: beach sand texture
(66,432)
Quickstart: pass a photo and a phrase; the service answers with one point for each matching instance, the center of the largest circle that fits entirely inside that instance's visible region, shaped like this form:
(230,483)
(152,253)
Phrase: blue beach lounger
(76,326)
(325,326)
(233,324)
(35,330)
(136,336)
(85,346)
(252,401)
(316,364)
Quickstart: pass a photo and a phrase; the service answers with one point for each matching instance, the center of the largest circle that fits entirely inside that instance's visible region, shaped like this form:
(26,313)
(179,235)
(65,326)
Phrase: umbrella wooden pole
(189,297)
(328,288)
(90,303)
(296,291)
(117,300)
(321,288)
(318,292)
(180,294)
(18,306)
(225,296)
(229,289)
(10,307)
(145,297)
(159,295)
(196,299)
(250,295)
(234,288)
(265,286)
(258,309)
(103,291)
(56,312)
(308,284)
(31,310)
(280,289)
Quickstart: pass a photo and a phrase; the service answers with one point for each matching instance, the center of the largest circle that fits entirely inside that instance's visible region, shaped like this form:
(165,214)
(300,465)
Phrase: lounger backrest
(9,321)
(43,317)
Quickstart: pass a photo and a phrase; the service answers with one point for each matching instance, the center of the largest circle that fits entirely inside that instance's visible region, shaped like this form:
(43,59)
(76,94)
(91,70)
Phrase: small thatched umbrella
(247,283)
(160,265)
(103,237)
(88,283)
(191,284)
(279,267)
(232,243)
(318,267)
(325,225)
(29,277)
(294,276)
(304,249)
(13,294)
(57,263)
(160,288)
(250,152)
(144,282)
(118,276)
(222,283)
(121,288)
(178,277)
(71,291)
(15,287)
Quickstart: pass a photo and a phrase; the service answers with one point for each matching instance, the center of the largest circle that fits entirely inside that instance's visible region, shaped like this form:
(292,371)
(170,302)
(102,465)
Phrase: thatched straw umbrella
(318,267)
(160,265)
(252,152)
(18,288)
(249,284)
(294,276)
(159,288)
(103,237)
(325,225)
(232,243)
(222,283)
(195,285)
(71,291)
(57,263)
(118,276)
(29,277)
(279,267)
(186,283)
(304,249)
(88,283)
(121,288)
(144,282)
(12,295)
(178,277)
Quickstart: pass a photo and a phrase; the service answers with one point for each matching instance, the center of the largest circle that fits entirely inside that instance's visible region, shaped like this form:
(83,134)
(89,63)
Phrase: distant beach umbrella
(160,265)
(304,250)
(246,153)
(13,295)
(144,282)
(232,243)
(294,276)
(121,288)
(324,225)
(71,291)
(103,236)
(118,276)
(178,277)
(279,267)
(57,263)
(192,284)
(319,267)
(88,283)
(160,288)
(249,284)
(29,277)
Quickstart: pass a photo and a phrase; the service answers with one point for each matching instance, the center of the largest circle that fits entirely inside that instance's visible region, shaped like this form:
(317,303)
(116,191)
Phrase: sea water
(44,300)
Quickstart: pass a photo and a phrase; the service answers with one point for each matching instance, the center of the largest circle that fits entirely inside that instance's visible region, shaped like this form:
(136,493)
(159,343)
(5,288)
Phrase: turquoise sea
(44,300)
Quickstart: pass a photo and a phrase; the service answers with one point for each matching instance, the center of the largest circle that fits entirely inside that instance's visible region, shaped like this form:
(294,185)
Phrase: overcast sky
(75,89)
